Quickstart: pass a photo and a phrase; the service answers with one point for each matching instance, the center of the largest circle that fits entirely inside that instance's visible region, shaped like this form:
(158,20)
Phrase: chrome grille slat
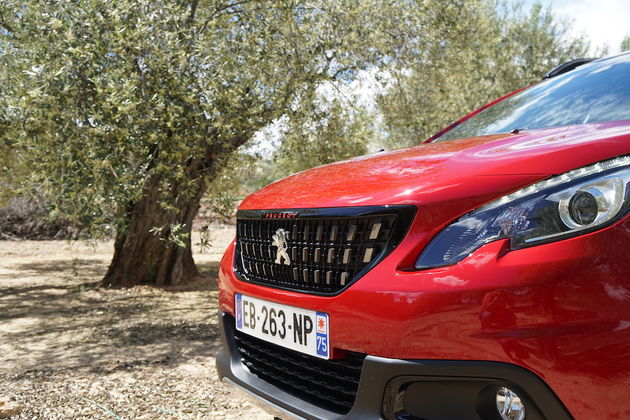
(327,252)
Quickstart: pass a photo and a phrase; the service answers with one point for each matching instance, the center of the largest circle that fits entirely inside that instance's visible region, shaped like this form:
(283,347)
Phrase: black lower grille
(319,251)
(329,384)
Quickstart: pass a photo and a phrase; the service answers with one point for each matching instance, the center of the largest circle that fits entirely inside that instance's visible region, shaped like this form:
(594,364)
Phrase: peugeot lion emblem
(280,240)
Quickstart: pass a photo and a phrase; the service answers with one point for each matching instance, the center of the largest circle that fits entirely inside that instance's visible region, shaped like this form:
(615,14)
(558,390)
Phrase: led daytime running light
(559,180)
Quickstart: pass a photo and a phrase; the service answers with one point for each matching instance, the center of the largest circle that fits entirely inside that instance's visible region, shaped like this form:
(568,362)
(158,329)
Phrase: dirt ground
(69,349)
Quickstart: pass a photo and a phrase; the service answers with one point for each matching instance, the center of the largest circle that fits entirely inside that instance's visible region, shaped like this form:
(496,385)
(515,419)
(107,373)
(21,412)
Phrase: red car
(484,274)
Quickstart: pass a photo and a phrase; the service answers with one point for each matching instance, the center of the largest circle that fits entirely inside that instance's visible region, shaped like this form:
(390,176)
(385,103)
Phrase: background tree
(123,109)
(625,44)
(336,128)
(442,60)
(464,57)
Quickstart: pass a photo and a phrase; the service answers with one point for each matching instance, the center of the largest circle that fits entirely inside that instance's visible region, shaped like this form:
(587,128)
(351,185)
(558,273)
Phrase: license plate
(294,328)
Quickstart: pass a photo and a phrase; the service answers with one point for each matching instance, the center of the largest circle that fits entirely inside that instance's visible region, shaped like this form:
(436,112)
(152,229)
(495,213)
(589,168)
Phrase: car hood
(460,174)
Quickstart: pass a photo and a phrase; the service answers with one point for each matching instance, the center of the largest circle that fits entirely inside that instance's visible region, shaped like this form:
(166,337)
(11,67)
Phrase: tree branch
(220,9)
(5,25)
(193,11)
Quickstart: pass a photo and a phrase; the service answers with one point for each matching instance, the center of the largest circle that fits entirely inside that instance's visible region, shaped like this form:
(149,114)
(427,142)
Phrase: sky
(605,22)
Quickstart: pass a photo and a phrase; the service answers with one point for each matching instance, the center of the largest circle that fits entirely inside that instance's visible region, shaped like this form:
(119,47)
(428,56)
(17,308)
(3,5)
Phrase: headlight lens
(567,205)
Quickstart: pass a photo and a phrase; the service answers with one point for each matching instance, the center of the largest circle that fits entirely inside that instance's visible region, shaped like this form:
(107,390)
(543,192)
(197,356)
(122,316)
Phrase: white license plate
(294,328)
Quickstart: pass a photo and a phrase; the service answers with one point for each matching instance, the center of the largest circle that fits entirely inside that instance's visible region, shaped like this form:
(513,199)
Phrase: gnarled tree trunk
(143,257)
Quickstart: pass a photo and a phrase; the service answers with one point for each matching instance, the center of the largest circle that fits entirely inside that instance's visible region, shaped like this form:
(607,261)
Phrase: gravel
(72,350)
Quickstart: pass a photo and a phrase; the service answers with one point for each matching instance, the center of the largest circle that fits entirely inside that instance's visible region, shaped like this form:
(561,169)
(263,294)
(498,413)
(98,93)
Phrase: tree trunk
(143,257)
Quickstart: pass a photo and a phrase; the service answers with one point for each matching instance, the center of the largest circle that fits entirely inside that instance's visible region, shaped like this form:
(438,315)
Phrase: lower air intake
(328,384)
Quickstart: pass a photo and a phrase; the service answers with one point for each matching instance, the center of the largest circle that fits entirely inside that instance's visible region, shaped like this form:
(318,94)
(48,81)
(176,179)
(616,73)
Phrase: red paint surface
(561,310)
(452,170)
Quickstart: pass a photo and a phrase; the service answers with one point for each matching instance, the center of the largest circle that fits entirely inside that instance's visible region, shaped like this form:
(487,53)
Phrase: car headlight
(567,205)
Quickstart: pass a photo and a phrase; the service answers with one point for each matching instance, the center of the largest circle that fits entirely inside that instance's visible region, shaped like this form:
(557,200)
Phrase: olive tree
(123,109)
(465,56)
(444,59)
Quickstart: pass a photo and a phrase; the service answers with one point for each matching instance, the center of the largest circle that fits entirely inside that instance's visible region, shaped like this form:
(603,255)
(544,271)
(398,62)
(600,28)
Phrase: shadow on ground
(54,315)
(70,349)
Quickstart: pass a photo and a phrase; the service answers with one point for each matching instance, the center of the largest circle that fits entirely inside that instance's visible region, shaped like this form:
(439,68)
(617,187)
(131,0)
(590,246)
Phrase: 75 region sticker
(322,334)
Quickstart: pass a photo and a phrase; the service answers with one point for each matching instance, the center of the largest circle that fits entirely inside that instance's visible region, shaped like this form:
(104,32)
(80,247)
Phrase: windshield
(595,92)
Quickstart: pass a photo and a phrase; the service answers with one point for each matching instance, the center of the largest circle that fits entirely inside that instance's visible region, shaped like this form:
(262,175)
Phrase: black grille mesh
(329,384)
(326,253)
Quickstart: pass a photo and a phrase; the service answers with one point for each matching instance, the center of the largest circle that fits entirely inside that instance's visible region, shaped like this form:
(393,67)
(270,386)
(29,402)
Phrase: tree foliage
(333,131)
(103,96)
(441,59)
(123,108)
(456,58)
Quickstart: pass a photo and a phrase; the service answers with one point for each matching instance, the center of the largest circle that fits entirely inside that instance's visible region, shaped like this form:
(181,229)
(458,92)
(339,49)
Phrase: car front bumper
(402,389)
(560,311)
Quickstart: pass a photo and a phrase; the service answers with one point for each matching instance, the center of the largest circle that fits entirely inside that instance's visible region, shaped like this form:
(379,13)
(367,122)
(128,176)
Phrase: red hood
(467,172)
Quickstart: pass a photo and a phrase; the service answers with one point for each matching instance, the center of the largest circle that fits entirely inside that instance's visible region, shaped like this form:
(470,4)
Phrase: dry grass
(69,349)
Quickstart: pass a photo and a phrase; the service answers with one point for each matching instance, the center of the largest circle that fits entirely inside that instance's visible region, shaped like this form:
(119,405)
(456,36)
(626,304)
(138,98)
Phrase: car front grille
(325,249)
(328,384)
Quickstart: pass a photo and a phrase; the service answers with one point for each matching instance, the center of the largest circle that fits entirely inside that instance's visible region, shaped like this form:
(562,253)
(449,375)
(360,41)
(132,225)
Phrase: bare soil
(70,349)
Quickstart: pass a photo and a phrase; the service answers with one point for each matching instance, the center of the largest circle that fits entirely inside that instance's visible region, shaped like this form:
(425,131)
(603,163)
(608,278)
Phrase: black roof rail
(566,67)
